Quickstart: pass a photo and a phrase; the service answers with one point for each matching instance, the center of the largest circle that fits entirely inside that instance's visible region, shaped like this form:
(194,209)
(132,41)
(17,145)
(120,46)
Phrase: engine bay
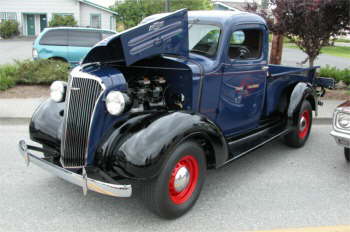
(153,92)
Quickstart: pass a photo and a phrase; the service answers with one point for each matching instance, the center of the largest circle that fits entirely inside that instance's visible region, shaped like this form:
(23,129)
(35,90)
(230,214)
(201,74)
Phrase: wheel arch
(301,92)
(140,147)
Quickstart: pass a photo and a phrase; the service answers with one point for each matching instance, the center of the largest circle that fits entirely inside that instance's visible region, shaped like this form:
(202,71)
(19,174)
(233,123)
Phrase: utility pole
(167,5)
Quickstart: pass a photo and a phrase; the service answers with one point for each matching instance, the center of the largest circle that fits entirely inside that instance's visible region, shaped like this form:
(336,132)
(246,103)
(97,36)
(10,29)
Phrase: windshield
(204,39)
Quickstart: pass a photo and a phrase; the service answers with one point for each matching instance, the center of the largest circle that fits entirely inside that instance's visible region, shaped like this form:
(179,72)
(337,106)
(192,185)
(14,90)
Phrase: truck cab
(161,103)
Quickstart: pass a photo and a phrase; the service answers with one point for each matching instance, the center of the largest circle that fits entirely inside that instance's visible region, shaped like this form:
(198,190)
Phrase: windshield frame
(196,21)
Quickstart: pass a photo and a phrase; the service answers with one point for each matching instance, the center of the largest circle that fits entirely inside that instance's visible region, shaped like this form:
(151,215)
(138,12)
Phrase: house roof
(98,6)
(232,5)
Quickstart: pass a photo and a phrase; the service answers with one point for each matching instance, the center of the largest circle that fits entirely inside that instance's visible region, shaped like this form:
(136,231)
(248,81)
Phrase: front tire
(347,154)
(298,136)
(177,188)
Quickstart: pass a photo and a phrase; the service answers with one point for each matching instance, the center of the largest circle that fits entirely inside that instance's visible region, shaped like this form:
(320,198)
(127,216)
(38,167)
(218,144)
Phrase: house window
(113,26)
(95,20)
(8,16)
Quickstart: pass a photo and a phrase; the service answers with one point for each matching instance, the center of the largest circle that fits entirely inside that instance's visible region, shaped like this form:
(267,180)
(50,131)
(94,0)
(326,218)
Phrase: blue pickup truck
(153,108)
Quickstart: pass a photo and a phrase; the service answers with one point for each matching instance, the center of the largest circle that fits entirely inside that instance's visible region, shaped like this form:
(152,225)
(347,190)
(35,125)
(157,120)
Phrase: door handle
(265,68)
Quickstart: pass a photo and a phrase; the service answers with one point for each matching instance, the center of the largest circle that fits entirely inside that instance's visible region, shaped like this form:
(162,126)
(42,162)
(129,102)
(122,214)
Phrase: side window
(83,38)
(246,44)
(55,38)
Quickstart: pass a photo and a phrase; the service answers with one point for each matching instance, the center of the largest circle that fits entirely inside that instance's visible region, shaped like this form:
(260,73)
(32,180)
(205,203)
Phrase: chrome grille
(80,104)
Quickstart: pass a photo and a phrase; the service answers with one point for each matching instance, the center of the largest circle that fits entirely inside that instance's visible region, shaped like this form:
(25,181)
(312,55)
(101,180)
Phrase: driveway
(272,187)
(11,50)
(292,57)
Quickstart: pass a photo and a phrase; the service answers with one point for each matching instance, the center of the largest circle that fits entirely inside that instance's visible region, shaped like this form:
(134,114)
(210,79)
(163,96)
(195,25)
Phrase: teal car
(69,44)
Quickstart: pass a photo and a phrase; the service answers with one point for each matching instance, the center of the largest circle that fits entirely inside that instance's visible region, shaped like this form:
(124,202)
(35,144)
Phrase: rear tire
(347,154)
(300,134)
(177,187)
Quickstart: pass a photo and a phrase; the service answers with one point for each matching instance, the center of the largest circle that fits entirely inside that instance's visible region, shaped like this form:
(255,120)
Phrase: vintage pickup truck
(157,105)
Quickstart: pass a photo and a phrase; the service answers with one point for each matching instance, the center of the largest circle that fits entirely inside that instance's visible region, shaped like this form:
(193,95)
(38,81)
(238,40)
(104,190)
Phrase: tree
(311,24)
(131,12)
(62,20)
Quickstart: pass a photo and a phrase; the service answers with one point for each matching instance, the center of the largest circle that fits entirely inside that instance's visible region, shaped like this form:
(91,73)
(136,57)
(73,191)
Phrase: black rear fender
(302,91)
(139,148)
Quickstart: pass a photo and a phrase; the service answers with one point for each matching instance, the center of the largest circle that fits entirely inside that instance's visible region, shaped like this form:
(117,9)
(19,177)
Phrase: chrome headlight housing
(116,102)
(342,120)
(58,91)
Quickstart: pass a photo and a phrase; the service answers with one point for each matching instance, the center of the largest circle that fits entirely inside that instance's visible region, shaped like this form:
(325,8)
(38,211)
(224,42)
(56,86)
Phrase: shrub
(60,20)
(7,76)
(8,29)
(32,72)
(337,74)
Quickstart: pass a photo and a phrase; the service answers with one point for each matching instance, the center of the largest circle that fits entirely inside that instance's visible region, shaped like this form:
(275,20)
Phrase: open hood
(165,35)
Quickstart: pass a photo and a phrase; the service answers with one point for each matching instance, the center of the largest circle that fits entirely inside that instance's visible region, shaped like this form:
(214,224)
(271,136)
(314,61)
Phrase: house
(233,5)
(34,15)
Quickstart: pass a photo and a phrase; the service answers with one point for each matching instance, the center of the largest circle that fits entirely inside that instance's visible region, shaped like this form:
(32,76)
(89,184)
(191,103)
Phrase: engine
(153,93)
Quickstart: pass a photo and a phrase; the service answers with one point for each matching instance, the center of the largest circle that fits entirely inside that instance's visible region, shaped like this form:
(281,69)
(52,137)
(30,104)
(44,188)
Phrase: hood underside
(165,35)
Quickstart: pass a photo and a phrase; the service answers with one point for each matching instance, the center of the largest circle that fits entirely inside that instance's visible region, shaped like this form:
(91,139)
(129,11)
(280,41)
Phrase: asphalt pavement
(15,50)
(272,187)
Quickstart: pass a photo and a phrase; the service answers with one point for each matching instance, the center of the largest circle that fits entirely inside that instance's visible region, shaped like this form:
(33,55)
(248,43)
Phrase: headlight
(58,91)
(34,53)
(343,121)
(115,102)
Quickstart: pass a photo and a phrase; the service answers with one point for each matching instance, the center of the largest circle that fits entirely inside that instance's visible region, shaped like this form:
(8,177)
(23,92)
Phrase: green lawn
(340,51)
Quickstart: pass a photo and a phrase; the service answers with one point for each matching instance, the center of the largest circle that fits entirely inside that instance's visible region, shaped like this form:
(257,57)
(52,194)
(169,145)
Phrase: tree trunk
(276,49)
(311,61)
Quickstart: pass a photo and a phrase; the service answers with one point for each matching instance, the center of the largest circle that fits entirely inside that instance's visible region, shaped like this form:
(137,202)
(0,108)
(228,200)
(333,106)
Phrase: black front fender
(139,148)
(47,123)
(302,91)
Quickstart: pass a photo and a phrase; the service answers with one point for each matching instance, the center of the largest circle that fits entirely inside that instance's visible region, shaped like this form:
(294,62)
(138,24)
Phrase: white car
(341,127)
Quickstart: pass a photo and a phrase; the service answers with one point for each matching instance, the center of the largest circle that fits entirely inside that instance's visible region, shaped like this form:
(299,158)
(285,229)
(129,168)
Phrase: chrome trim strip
(338,136)
(114,190)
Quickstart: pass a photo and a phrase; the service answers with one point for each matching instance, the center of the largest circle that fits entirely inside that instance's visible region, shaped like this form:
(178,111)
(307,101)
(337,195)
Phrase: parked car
(157,105)
(69,44)
(341,127)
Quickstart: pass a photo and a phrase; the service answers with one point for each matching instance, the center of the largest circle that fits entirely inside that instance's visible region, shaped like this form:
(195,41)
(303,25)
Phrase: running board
(243,146)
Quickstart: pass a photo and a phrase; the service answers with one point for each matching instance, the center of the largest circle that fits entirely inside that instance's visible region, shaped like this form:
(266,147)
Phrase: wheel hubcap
(183,179)
(304,124)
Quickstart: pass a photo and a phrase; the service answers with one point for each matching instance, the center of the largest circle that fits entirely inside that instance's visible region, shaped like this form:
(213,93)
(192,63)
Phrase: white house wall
(86,10)
(48,7)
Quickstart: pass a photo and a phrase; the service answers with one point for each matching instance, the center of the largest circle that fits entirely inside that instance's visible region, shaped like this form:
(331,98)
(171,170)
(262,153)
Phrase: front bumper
(115,190)
(342,139)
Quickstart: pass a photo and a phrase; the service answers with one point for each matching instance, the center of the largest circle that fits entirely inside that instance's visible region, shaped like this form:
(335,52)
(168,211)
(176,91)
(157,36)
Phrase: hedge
(336,73)
(32,72)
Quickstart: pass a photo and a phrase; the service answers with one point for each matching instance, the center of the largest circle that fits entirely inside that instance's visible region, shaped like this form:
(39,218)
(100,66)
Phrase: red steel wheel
(304,124)
(183,179)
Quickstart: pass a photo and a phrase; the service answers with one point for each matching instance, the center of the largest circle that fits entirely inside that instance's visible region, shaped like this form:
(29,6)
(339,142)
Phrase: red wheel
(299,135)
(183,180)
(304,124)
(177,187)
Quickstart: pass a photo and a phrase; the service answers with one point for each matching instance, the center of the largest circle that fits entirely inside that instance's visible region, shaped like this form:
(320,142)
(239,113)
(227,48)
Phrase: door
(244,80)
(30,24)
(43,22)
(80,43)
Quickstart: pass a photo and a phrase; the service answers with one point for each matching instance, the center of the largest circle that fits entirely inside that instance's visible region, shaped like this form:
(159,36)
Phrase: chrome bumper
(80,180)
(342,139)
